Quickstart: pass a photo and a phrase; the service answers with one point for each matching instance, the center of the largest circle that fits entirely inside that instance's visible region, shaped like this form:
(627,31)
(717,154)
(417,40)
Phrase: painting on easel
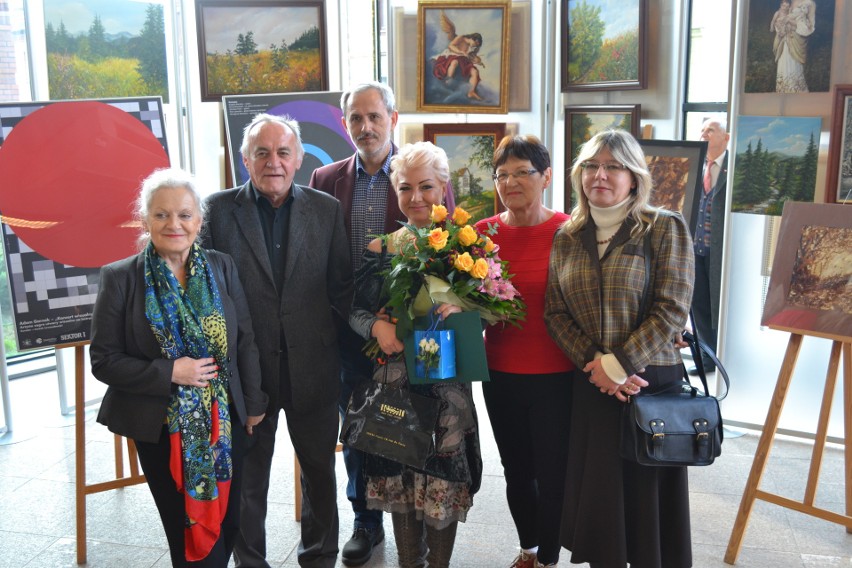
(810,289)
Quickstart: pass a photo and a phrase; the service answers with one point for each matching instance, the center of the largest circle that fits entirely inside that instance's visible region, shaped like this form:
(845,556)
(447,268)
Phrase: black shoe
(360,547)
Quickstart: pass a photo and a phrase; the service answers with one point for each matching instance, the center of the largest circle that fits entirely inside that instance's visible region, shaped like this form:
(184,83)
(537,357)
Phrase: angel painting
(461,56)
(453,63)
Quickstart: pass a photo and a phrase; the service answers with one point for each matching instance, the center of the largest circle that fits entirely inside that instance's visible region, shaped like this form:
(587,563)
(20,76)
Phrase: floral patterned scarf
(190,322)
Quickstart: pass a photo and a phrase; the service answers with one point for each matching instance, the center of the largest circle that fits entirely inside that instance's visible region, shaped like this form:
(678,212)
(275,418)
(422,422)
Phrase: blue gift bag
(435,351)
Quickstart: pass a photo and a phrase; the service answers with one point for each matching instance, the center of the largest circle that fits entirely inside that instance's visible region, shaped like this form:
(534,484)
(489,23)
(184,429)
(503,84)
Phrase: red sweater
(528,350)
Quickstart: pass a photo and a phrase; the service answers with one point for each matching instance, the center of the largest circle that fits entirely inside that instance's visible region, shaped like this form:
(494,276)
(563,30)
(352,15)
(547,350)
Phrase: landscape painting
(261,46)
(603,45)
(470,148)
(105,49)
(776,162)
(810,288)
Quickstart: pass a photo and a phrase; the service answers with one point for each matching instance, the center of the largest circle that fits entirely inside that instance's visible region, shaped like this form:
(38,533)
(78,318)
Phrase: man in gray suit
(292,255)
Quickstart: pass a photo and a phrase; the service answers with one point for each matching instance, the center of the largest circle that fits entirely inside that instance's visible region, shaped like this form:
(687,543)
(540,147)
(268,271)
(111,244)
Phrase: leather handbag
(678,425)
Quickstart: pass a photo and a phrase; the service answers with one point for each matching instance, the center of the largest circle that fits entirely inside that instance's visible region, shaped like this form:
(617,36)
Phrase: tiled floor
(37,506)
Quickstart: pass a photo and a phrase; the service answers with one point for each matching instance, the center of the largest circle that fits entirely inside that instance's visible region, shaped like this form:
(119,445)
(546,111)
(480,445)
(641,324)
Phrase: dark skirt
(617,511)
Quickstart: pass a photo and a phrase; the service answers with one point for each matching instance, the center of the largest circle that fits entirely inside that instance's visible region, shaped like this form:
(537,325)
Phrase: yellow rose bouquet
(450,262)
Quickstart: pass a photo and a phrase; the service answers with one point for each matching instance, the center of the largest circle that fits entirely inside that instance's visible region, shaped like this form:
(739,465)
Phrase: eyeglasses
(609,168)
(503,177)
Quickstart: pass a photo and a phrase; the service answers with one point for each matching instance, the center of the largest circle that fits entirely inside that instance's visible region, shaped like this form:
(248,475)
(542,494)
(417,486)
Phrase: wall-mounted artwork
(789,46)
(603,45)
(776,162)
(463,56)
(584,121)
(323,137)
(470,149)
(404,58)
(810,289)
(261,46)
(105,48)
(66,217)
(676,167)
(838,188)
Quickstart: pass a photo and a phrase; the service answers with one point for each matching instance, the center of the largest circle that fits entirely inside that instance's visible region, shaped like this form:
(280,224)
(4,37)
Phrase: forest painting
(776,162)
(105,49)
(603,44)
(260,46)
(810,289)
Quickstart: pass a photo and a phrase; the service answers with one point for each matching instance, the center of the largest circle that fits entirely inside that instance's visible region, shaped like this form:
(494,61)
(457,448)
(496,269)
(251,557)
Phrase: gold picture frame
(460,46)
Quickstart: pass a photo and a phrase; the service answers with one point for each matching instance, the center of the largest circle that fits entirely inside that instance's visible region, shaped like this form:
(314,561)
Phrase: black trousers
(154,459)
(314,438)
(702,312)
(531,416)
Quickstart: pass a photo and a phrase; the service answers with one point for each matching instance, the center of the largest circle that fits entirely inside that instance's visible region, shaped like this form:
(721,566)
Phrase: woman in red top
(529,395)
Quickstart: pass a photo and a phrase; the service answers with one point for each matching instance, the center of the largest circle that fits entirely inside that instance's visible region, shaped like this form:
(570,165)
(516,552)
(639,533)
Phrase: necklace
(605,241)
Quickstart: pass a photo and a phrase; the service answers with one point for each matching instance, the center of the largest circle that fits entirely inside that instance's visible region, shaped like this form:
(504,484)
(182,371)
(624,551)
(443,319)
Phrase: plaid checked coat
(592,304)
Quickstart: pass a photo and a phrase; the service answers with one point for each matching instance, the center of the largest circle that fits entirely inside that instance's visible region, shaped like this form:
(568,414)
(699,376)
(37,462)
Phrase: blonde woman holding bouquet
(425,505)
(529,395)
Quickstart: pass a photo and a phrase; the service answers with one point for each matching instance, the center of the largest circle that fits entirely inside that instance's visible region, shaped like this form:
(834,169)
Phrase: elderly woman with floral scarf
(172,337)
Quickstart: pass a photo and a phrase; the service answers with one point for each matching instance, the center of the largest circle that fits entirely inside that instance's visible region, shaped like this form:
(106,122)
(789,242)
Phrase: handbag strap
(698,347)
(646,291)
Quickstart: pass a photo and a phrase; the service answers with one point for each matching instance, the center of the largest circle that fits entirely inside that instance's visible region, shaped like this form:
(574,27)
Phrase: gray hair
(165,178)
(387,95)
(420,155)
(719,118)
(625,149)
(264,118)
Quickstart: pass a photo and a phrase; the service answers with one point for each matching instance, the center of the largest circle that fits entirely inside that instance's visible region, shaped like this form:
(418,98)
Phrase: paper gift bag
(471,364)
(436,354)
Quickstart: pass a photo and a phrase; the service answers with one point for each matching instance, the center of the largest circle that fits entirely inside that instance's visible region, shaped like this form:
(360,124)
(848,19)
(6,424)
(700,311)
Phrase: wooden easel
(841,345)
(82,490)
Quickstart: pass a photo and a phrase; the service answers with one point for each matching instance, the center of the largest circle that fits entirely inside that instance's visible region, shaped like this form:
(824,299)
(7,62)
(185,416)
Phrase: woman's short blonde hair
(420,155)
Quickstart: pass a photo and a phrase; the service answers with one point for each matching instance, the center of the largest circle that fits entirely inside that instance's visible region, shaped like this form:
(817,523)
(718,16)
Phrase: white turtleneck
(608,220)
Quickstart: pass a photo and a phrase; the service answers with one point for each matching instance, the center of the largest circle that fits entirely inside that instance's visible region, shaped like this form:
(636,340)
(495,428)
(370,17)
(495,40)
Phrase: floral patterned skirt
(438,501)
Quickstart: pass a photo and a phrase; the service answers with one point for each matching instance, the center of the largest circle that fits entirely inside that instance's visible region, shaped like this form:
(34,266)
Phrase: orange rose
(438,238)
(480,269)
(460,216)
(439,213)
(464,262)
(489,245)
(468,236)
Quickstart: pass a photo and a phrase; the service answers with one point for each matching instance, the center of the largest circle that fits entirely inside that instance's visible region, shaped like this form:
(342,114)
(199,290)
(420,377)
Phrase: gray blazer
(126,356)
(316,296)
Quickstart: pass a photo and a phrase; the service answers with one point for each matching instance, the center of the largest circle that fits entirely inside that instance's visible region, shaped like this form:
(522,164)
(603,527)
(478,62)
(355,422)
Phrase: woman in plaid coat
(620,338)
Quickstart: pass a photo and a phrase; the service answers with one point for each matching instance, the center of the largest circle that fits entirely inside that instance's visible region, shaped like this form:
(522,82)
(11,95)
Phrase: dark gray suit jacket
(126,356)
(717,233)
(317,292)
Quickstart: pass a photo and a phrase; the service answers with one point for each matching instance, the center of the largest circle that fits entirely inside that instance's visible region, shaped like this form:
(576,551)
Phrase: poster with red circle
(70,173)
